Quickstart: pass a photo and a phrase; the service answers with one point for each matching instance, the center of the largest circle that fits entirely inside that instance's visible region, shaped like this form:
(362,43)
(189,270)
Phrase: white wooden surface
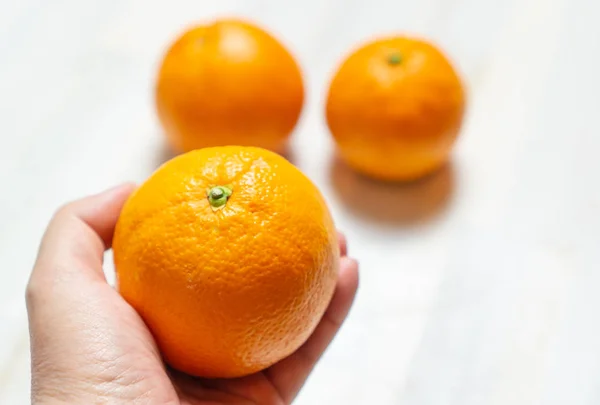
(479,286)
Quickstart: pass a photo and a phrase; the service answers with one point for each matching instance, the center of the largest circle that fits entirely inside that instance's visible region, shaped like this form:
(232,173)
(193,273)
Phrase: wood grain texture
(479,284)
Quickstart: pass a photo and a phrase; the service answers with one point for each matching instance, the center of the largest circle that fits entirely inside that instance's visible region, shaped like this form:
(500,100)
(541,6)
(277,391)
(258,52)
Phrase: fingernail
(114,191)
(118,187)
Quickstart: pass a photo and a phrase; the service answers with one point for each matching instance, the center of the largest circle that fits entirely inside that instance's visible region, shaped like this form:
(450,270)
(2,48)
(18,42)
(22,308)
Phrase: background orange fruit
(228,83)
(394,108)
(230,256)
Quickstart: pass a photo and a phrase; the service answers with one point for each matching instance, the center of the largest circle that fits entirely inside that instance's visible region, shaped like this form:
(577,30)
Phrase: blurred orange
(394,108)
(228,83)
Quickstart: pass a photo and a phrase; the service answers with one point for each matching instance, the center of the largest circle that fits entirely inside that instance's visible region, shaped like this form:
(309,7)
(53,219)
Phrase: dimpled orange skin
(228,83)
(227,292)
(395,108)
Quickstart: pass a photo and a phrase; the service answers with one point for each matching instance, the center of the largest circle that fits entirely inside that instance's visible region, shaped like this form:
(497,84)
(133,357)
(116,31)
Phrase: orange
(395,108)
(228,83)
(230,256)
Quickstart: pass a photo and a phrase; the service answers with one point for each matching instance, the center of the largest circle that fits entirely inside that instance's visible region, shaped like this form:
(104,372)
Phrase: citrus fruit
(395,108)
(228,83)
(230,255)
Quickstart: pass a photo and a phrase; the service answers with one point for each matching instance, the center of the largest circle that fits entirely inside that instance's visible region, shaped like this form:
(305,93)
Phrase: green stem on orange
(395,58)
(218,196)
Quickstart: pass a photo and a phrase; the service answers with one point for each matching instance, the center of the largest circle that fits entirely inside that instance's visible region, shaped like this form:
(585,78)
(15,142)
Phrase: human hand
(88,346)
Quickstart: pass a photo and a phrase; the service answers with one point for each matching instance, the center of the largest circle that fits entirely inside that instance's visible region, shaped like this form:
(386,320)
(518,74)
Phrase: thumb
(69,303)
(74,243)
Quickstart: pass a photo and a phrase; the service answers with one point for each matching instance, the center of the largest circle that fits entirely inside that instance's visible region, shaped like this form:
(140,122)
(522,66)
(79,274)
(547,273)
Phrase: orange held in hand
(230,256)
(395,108)
(228,83)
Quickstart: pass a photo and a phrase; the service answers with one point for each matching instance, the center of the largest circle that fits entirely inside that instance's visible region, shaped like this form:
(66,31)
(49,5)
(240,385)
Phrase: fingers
(76,238)
(289,375)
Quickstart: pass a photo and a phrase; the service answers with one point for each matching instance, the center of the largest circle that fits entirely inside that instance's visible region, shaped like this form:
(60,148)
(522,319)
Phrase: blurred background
(479,283)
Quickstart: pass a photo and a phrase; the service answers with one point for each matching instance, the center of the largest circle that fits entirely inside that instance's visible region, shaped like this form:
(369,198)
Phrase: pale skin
(88,346)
